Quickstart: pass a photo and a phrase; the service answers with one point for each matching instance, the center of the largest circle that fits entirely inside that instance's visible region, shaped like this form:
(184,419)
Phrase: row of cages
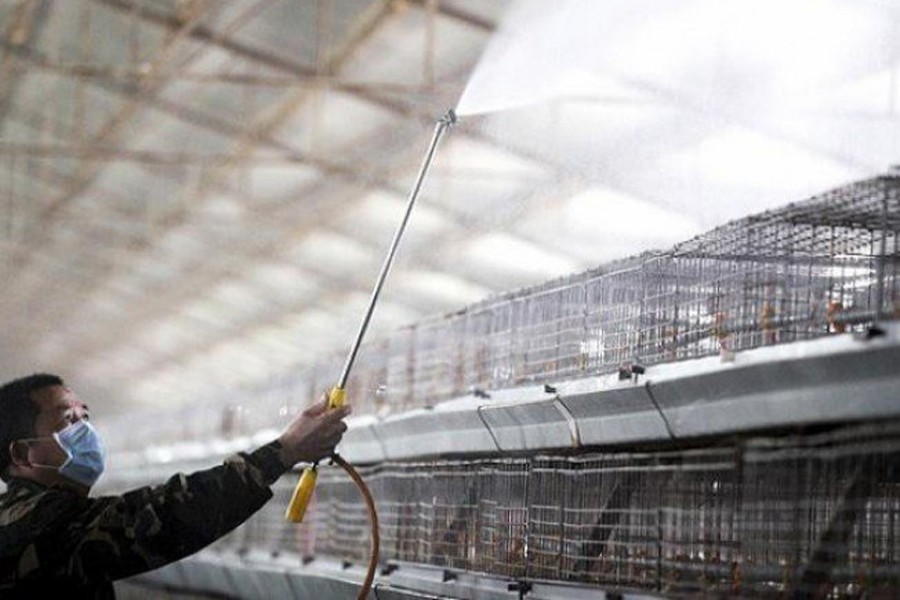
(822,267)
(814,515)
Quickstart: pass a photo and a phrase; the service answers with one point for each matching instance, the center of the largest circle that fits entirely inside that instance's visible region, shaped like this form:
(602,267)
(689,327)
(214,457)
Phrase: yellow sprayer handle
(337,397)
(296,509)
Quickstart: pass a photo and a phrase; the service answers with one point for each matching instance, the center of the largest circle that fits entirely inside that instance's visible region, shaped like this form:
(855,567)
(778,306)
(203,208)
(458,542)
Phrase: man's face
(59,407)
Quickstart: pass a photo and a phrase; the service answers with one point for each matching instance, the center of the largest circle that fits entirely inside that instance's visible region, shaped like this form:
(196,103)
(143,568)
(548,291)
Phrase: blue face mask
(86,456)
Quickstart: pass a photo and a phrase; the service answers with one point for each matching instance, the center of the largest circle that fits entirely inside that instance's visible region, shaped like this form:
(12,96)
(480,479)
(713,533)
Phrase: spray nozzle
(449,119)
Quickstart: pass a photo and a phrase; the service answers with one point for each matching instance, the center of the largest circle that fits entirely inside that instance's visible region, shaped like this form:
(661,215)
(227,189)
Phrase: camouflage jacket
(56,544)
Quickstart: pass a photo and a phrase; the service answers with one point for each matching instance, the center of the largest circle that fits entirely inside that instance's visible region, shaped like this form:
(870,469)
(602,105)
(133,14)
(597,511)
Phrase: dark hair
(18,411)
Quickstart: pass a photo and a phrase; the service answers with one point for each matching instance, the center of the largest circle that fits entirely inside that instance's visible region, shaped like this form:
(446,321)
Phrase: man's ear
(18,454)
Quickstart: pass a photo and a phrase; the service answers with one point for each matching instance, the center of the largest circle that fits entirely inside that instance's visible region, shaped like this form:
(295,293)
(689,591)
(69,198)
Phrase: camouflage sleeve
(148,527)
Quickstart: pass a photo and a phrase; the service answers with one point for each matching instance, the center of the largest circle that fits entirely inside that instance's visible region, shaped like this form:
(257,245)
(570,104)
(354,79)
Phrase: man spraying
(56,542)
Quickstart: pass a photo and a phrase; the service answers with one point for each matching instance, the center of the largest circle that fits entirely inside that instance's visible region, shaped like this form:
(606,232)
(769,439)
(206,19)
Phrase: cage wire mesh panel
(503,517)
(826,265)
(435,352)
(476,348)
(552,330)
(400,368)
(367,383)
(816,514)
(405,511)
(453,533)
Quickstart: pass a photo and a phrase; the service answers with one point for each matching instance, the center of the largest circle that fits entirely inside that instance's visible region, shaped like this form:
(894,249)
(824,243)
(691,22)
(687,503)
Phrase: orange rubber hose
(373,521)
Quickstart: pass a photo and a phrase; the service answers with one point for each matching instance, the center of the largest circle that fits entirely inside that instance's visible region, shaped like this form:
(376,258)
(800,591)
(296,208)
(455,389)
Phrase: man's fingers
(333,432)
(318,408)
(337,414)
(321,408)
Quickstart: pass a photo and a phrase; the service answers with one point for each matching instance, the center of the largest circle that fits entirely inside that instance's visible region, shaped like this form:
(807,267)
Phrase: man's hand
(314,434)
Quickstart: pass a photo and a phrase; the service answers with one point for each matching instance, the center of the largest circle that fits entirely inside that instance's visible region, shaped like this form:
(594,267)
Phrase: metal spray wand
(337,396)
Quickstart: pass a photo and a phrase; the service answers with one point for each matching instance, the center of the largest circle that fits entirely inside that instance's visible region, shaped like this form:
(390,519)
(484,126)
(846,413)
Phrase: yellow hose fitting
(296,509)
(337,397)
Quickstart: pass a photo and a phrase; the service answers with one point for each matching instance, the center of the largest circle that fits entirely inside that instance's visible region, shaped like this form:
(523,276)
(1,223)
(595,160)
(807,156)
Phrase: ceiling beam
(137,75)
(28,18)
(113,126)
(293,68)
(198,10)
(457,14)
(145,157)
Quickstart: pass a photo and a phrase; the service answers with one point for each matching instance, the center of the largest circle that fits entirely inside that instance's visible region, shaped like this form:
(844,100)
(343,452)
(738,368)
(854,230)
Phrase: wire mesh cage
(820,517)
(815,514)
(405,511)
(610,521)
(367,384)
(401,368)
(552,330)
(452,532)
(503,517)
(345,527)
(697,513)
(436,350)
(475,367)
